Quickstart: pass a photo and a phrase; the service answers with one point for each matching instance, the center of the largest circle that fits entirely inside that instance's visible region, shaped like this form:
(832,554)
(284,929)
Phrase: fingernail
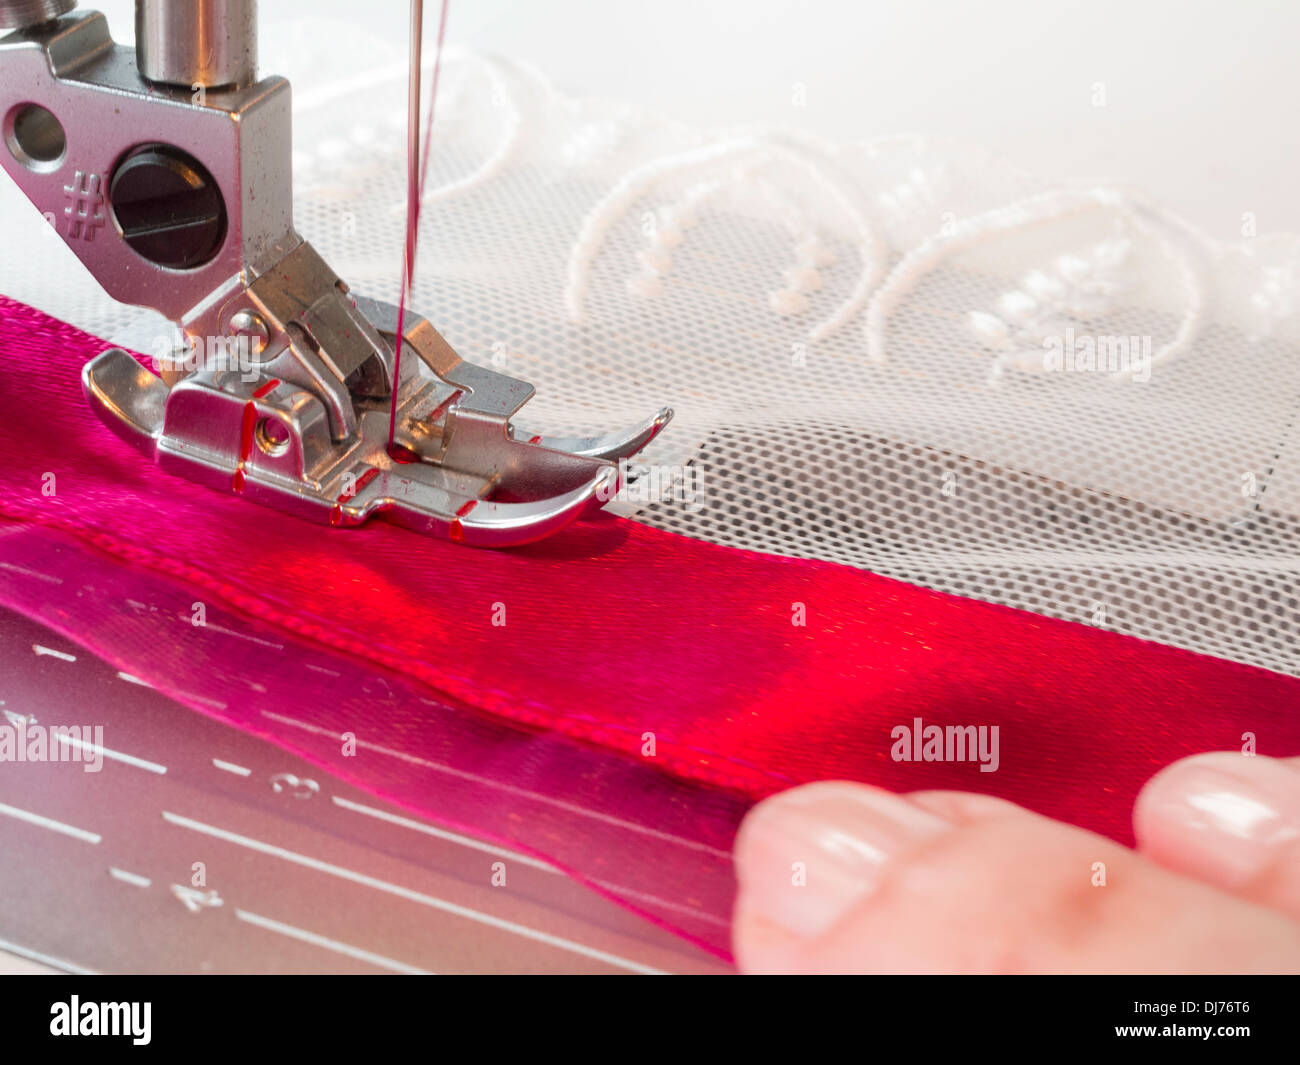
(806,856)
(1227,813)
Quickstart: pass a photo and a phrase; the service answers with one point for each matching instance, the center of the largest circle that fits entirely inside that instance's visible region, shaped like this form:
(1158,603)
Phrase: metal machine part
(20,14)
(205,43)
(166,169)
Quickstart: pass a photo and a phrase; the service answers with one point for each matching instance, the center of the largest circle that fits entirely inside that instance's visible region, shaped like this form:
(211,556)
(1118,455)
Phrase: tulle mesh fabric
(852,336)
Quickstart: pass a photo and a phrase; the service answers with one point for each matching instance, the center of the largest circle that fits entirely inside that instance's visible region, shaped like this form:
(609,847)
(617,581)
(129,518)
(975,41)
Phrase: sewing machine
(166,169)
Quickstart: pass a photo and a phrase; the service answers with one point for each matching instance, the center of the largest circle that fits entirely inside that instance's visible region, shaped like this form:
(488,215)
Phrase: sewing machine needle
(413,138)
(417,167)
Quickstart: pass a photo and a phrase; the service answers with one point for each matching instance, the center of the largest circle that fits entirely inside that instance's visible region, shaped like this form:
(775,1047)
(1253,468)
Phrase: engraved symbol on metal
(84,216)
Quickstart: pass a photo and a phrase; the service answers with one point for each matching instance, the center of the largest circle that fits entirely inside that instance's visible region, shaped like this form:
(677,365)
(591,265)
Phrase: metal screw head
(168,207)
(249,324)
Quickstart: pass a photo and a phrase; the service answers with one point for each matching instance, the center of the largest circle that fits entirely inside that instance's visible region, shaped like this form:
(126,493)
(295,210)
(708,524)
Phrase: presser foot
(168,171)
(458,468)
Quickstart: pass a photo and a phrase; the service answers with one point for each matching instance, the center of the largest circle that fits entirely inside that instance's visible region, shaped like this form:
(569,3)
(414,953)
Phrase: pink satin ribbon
(735,671)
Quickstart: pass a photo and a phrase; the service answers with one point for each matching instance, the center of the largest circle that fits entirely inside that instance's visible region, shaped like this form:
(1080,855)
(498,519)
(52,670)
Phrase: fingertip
(806,856)
(1224,817)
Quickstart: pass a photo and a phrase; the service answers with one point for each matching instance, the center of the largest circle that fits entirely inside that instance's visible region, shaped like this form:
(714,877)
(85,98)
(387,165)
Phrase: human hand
(954,882)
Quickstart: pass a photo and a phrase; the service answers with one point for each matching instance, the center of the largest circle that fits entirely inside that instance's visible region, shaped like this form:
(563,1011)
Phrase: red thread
(245,445)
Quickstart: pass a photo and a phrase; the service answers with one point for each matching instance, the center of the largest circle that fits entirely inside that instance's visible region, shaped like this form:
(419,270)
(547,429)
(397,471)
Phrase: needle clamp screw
(168,208)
